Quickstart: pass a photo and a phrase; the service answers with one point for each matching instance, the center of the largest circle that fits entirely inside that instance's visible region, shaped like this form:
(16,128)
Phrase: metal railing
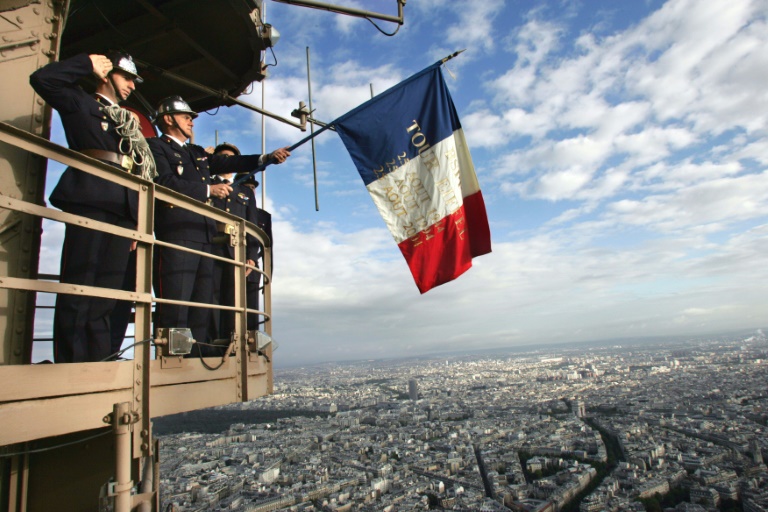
(80,395)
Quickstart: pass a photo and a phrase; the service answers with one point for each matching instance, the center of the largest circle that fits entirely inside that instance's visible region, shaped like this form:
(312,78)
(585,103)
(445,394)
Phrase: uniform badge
(180,169)
(177,155)
(104,125)
(242,196)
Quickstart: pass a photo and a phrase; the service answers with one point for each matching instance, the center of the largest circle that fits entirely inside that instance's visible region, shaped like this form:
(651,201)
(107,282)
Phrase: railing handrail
(48,149)
(33,392)
(52,151)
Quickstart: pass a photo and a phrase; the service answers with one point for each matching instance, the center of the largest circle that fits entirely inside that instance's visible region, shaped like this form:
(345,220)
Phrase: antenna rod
(216,94)
(312,134)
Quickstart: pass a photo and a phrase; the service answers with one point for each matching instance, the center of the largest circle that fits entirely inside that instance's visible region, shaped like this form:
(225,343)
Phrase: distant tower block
(413,390)
(579,409)
(754,447)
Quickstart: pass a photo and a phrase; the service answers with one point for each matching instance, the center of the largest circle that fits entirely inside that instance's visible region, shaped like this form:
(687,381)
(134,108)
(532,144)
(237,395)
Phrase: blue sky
(620,147)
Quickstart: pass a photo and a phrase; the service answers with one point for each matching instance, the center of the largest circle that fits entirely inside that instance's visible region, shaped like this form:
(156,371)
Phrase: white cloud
(475,25)
(687,173)
(561,184)
(484,129)
(366,303)
(721,201)
(757,150)
(681,91)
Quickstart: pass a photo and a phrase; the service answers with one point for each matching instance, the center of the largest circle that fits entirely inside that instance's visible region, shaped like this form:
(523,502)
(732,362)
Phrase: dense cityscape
(666,426)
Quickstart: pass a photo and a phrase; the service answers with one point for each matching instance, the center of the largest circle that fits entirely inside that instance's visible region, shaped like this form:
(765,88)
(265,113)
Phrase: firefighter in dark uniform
(187,168)
(253,279)
(96,126)
(242,203)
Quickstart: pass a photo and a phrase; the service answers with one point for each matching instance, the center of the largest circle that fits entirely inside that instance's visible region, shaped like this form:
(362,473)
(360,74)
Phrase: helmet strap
(115,92)
(178,127)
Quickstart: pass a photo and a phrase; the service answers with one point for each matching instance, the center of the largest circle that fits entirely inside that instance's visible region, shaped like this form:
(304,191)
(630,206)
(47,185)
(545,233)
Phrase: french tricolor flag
(408,145)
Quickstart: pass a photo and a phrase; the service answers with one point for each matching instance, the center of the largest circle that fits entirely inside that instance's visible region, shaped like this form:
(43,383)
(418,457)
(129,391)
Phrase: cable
(208,344)
(202,360)
(38,450)
(382,31)
(210,368)
(271,49)
(122,351)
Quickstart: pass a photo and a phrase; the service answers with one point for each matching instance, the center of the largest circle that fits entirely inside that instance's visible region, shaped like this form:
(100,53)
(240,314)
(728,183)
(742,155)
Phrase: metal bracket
(302,114)
(125,419)
(138,499)
(113,489)
(167,362)
(234,235)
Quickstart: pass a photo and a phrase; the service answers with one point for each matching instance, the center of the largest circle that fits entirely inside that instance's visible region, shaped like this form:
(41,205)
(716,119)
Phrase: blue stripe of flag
(376,133)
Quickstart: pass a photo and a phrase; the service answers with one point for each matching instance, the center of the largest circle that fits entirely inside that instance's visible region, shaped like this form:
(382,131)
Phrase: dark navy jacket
(187,169)
(241,202)
(86,127)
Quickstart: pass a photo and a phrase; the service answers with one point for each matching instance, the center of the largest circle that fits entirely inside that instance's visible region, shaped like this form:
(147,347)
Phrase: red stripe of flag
(444,251)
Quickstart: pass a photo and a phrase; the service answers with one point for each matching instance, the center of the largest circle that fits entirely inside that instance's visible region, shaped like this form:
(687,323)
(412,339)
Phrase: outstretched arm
(279,155)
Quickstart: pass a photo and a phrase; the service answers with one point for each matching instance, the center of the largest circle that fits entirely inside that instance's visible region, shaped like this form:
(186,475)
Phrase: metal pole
(312,133)
(263,119)
(147,483)
(349,10)
(217,94)
(121,422)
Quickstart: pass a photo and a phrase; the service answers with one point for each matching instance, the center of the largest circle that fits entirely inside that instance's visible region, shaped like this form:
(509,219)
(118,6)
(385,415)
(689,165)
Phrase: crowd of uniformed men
(92,328)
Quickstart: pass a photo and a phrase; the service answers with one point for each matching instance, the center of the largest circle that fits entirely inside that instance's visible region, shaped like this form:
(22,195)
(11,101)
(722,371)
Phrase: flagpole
(272,160)
(324,127)
(454,54)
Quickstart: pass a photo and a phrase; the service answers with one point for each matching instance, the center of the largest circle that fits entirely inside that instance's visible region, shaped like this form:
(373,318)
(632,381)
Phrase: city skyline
(594,430)
(620,150)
